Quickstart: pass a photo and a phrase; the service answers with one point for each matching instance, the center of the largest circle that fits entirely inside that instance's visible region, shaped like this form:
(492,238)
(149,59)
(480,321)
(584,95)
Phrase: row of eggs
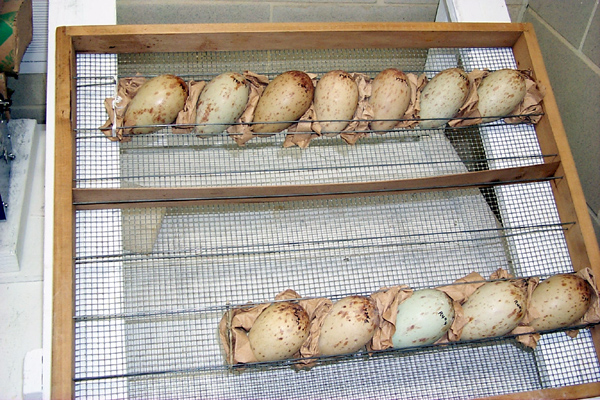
(493,310)
(335,98)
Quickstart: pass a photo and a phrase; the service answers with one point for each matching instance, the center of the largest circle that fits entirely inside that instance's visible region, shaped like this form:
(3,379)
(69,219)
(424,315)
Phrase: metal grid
(152,284)
(501,367)
(167,160)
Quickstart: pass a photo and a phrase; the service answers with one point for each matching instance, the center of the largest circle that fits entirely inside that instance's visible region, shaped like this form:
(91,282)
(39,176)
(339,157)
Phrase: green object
(7,22)
(8,62)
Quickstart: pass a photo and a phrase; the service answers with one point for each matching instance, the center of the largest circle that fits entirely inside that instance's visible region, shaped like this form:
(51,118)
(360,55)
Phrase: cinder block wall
(182,11)
(190,11)
(569,35)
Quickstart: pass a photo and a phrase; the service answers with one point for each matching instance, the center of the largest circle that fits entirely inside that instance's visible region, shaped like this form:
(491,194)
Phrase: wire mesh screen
(164,159)
(153,283)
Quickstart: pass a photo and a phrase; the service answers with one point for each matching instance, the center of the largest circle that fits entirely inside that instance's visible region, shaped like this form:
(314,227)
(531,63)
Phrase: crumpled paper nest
(237,322)
(307,128)
(116,107)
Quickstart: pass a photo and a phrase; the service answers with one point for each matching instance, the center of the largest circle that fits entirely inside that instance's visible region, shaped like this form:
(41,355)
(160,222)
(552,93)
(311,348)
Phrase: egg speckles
(279,331)
(348,326)
(423,318)
(499,93)
(495,309)
(285,99)
(390,98)
(443,96)
(221,102)
(561,301)
(157,102)
(335,101)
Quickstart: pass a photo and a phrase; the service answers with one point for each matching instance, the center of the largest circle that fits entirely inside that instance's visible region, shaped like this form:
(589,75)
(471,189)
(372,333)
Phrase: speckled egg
(499,93)
(494,309)
(390,98)
(222,102)
(423,318)
(561,300)
(348,326)
(336,99)
(157,102)
(286,98)
(279,331)
(443,96)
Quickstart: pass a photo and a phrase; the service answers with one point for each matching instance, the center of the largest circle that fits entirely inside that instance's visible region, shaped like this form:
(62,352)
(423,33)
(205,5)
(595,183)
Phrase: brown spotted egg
(336,100)
(561,300)
(494,309)
(279,331)
(157,102)
(499,93)
(285,99)
(390,98)
(349,325)
(443,96)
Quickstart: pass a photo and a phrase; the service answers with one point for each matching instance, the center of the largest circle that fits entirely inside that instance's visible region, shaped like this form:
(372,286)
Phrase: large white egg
(279,331)
(390,98)
(442,97)
(157,102)
(494,309)
(499,93)
(286,98)
(349,325)
(561,301)
(423,318)
(222,102)
(335,101)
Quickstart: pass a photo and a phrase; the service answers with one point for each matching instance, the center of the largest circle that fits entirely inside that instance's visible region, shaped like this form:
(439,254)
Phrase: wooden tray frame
(581,240)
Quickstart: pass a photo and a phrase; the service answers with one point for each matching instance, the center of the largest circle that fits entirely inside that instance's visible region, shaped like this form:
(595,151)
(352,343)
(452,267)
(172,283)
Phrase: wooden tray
(568,195)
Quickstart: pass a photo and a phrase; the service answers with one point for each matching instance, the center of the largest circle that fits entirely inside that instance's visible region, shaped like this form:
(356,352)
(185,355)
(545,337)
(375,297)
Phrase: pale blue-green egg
(423,318)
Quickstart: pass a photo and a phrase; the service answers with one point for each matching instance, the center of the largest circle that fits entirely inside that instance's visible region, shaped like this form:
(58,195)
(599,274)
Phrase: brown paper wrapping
(387,301)
(317,311)
(116,107)
(188,114)
(525,333)
(360,125)
(411,117)
(464,287)
(531,104)
(468,114)
(459,292)
(300,134)
(592,315)
(233,331)
(242,131)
